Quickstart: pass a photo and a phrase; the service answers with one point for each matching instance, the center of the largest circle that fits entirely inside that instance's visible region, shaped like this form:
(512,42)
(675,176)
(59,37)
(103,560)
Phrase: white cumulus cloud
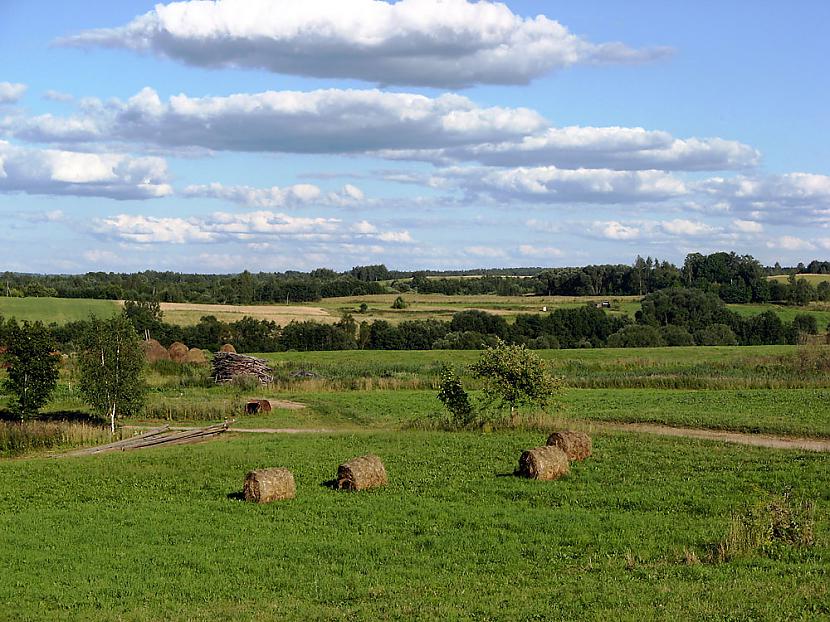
(11,92)
(56,172)
(443,43)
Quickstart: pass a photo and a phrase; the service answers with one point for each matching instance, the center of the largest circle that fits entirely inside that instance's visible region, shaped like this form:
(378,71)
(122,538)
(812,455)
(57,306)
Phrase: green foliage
(716,335)
(779,520)
(515,376)
(33,367)
(676,336)
(399,303)
(455,398)
(144,314)
(111,365)
(636,336)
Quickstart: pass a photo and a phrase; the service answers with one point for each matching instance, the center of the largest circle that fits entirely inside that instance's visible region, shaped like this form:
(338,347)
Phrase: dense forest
(734,278)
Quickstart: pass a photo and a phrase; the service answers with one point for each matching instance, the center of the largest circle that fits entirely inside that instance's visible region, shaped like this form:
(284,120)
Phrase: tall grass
(17,438)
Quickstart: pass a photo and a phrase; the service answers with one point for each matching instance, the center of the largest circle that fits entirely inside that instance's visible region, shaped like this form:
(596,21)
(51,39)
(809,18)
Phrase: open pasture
(629,534)
(57,310)
(812,279)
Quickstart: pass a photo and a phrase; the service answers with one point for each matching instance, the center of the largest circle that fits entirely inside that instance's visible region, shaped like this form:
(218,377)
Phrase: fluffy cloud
(552,185)
(528,250)
(276,197)
(324,121)
(791,243)
(11,92)
(54,172)
(687,228)
(485,251)
(256,228)
(443,43)
(802,196)
(618,148)
(748,226)
(614,230)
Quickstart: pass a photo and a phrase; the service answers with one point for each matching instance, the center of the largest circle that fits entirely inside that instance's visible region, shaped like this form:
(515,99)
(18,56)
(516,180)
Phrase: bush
(400,303)
(455,398)
(636,336)
(676,336)
(805,323)
(716,335)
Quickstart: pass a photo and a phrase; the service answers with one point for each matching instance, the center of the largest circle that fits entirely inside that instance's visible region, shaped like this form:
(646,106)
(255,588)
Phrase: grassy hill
(58,310)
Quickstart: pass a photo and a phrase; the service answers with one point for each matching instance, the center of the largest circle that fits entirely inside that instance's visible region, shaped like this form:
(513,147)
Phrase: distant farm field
(186,314)
(57,310)
(813,279)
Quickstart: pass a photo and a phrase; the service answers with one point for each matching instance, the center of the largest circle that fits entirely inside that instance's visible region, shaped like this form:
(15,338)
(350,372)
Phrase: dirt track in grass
(740,438)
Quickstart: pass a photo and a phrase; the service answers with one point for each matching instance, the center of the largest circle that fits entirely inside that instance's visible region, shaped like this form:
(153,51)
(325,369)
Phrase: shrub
(455,398)
(400,303)
(716,335)
(636,336)
(775,521)
(676,336)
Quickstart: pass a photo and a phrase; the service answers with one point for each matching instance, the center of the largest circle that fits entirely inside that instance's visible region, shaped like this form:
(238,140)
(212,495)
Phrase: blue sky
(274,135)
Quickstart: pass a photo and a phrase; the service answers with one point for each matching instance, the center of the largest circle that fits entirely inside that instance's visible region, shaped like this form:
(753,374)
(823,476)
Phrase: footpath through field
(740,438)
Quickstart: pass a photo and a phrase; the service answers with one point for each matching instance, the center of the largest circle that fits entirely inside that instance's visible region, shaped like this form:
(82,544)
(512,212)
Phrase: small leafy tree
(455,398)
(515,375)
(400,303)
(111,365)
(33,366)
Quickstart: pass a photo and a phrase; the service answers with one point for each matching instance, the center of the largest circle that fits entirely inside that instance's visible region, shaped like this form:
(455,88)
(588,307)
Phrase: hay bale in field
(228,348)
(178,352)
(154,351)
(266,485)
(543,463)
(361,474)
(195,356)
(576,445)
(256,406)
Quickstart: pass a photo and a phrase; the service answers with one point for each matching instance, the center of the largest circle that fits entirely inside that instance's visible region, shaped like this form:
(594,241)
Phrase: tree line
(670,317)
(734,278)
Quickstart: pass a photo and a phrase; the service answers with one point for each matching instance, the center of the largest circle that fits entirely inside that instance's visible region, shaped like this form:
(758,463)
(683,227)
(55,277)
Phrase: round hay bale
(178,352)
(264,406)
(228,348)
(195,356)
(361,474)
(154,351)
(576,445)
(543,463)
(266,485)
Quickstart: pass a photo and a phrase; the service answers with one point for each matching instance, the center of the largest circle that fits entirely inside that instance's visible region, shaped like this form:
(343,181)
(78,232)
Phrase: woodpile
(266,485)
(228,348)
(256,406)
(178,352)
(576,445)
(155,438)
(361,474)
(227,366)
(544,463)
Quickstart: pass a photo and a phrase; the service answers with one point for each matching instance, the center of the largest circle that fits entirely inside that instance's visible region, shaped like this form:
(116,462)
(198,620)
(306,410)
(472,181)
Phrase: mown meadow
(649,527)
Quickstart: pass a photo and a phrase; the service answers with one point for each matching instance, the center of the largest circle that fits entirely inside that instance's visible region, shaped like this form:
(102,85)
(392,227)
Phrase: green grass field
(57,310)
(627,535)
(631,534)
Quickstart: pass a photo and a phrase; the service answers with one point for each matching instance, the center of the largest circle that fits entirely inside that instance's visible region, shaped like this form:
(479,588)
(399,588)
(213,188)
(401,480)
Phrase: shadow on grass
(71,416)
(235,496)
(331,484)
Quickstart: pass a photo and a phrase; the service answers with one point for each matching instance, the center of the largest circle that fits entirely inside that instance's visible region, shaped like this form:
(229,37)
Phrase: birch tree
(111,366)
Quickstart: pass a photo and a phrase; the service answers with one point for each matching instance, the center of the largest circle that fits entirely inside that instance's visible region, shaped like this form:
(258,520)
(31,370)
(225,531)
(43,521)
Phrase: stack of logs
(227,366)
